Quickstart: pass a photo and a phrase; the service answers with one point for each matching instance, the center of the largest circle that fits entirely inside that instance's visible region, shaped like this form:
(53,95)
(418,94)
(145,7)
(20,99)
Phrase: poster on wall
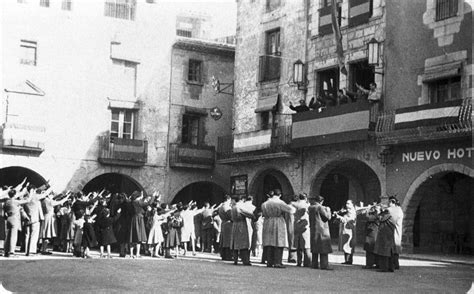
(238,185)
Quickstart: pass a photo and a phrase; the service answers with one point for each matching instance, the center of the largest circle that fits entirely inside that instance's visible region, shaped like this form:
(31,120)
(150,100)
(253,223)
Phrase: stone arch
(13,175)
(112,181)
(344,179)
(199,191)
(412,199)
(257,189)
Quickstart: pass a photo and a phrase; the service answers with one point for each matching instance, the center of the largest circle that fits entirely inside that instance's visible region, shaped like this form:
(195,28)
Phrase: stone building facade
(91,92)
(350,149)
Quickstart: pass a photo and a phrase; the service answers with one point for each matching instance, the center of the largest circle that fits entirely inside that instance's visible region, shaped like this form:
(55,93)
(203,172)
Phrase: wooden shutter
(325,22)
(359,12)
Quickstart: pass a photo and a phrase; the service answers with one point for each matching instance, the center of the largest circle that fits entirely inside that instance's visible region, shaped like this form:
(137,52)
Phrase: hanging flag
(338,36)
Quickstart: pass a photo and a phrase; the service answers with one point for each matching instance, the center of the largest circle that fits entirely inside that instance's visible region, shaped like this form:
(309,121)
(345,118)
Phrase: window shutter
(261,69)
(359,12)
(325,21)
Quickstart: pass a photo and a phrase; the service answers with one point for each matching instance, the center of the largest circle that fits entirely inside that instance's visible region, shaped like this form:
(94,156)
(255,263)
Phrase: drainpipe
(167,168)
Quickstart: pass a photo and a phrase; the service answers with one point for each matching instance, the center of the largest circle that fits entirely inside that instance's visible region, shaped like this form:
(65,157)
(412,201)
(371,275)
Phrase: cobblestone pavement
(206,273)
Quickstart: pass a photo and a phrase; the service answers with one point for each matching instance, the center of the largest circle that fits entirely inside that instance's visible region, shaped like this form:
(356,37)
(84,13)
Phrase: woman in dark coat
(175,223)
(106,232)
(122,226)
(319,216)
(137,234)
(371,231)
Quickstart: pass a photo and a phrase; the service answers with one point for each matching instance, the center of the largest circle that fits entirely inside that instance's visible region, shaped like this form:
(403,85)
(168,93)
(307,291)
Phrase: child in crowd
(155,237)
(175,222)
(106,235)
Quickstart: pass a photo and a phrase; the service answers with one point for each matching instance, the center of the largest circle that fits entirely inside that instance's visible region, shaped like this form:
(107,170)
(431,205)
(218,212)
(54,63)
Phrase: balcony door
(122,123)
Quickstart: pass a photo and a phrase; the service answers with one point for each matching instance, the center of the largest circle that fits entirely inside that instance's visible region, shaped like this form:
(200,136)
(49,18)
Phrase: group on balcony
(344,96)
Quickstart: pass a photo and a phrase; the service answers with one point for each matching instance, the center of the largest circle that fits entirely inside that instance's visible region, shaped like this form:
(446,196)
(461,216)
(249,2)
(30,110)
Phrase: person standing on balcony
(300,108)
(275,237)
(374,97)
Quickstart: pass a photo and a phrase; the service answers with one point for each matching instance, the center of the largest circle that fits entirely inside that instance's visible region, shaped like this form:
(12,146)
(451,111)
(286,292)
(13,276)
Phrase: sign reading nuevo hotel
(438,154)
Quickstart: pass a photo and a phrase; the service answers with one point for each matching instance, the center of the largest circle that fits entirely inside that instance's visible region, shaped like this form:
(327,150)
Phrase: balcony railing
(23,137)
(120,10)
(269,68)
(338,124)
(446,120)
(119,151)
(191,156)
(271,143)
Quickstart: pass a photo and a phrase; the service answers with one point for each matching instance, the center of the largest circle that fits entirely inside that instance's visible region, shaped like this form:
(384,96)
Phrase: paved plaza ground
(205,273)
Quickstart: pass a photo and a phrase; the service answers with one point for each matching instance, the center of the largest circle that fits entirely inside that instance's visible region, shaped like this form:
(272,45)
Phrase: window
(125,76)
(273,43)
(327,85)
(122,123)
(445,90)
(190,132)
(67,5)
(28,52)
(446,9)
(44,3)
(184,33)
(270,63)
(273,4)
(124,9)
(325,17)
(195,71)
(360,73)
(266,120)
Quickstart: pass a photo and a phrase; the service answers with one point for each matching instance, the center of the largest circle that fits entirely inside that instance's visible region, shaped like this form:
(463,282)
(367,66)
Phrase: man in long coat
(371,231)
(347,231)
(398,232)
(319,217)
(241,231)
(301,228)
(385,245)
(290,228)
(226,228)
(35,213)
(275,236)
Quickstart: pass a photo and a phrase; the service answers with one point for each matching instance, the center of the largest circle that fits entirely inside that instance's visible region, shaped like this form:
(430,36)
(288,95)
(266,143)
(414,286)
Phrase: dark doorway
(335,190)
(112,182)
(444,219)
(200,192)
(12,176)
(270,180)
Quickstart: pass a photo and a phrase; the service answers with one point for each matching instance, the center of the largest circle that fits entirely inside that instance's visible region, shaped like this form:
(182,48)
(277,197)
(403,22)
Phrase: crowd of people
(137,224)
(344,96)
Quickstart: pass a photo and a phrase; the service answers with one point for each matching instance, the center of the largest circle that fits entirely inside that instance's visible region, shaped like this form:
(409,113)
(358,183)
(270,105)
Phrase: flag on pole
(338,37)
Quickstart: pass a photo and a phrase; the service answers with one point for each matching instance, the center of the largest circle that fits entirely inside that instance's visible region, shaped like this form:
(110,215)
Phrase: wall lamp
(299,75)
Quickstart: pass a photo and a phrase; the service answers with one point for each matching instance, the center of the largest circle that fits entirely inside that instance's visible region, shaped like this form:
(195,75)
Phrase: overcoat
(241,229)
(274,225)
(301,225)
(385,243)
(319,217)
(226,226)
(347,229)
(371,231)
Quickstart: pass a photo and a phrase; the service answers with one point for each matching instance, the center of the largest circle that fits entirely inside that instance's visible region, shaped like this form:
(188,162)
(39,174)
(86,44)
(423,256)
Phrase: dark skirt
(122,229)
(106,236)
(173,239)
(88,236)
(137,230)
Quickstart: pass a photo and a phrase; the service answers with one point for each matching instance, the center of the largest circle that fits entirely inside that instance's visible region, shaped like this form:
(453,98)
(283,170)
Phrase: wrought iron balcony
(23,137)
(452,119)
(119,151)
(338,124)
(256,145)
(192,156)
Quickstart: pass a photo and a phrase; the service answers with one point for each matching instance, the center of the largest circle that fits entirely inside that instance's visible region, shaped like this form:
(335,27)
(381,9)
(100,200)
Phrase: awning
(442,71)
(267,103)
(123,104)
(25,87)
(195,110)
